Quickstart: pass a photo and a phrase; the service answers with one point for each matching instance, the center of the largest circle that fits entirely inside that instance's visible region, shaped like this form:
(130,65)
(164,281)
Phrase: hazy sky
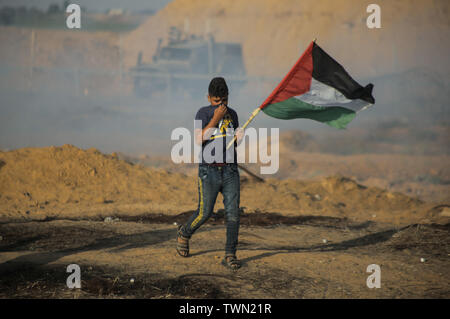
(92,4)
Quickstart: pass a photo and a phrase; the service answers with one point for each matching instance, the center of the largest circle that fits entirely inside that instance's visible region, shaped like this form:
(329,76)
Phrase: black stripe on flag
(330,72)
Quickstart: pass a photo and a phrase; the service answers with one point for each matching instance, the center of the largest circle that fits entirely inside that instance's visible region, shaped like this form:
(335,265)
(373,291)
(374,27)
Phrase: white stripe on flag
(321,94)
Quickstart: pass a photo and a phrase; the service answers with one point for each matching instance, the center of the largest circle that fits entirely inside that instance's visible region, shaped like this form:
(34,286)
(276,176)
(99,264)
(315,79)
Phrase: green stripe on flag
(293,108)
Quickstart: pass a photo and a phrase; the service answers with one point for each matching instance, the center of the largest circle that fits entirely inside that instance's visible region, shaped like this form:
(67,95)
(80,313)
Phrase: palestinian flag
(318,88)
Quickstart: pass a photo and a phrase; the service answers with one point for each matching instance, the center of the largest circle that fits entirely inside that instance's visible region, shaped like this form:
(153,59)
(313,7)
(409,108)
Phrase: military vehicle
(186,65)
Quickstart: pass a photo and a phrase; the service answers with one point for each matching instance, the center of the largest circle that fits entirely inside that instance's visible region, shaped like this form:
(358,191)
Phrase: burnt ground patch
(36,281)
(26,236)
(36,276)
(258,218)
(28,281)
(273,281)
(254,219)
(427,240)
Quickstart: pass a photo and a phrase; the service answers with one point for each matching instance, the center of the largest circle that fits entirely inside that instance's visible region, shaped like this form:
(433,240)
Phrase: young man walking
(218,171)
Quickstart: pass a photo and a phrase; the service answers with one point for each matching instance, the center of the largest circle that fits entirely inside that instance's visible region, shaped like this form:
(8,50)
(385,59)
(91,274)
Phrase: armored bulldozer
(186,64)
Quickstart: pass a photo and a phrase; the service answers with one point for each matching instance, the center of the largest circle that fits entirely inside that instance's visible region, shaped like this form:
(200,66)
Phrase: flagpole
(255,112)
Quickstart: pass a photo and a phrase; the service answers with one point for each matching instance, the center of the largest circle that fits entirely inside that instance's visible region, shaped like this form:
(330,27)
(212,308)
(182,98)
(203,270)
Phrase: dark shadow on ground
(218,218)
(117,243)
(255,219)
(63,241)
(28,280)
(371,239)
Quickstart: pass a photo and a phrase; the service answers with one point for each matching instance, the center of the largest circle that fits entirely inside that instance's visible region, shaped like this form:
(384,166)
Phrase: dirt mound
(37,180)
(336,196)
(68,182)
(291,25)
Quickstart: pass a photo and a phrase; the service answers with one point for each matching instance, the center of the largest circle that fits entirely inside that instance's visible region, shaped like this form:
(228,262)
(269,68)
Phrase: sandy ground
(301,239)
(279,261)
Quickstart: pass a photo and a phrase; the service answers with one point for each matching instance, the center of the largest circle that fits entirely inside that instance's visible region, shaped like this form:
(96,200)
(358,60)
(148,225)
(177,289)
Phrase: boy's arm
(206,132)
(202,135)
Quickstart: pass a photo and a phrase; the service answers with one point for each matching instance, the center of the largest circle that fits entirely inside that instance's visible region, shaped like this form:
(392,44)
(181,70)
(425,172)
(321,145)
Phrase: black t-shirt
(220,139)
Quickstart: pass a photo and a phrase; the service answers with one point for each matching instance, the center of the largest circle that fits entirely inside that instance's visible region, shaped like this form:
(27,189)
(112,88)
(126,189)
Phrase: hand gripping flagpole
(256,111)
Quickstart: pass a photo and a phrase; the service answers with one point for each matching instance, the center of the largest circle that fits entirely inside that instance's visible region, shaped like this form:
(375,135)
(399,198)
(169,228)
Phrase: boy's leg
(231,198)
(208,188)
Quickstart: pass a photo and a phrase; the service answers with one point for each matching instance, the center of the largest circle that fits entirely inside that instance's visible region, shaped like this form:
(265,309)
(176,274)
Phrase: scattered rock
(108,220)
(445,212)
(111,219)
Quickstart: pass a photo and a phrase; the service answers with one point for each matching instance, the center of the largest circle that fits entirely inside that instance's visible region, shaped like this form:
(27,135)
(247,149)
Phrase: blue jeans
(211,181)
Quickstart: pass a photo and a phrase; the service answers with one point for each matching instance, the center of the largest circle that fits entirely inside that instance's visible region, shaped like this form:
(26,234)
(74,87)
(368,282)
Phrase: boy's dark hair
(218,87)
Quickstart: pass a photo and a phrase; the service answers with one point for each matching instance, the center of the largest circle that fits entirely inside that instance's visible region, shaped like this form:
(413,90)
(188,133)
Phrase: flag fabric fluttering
(318,88)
